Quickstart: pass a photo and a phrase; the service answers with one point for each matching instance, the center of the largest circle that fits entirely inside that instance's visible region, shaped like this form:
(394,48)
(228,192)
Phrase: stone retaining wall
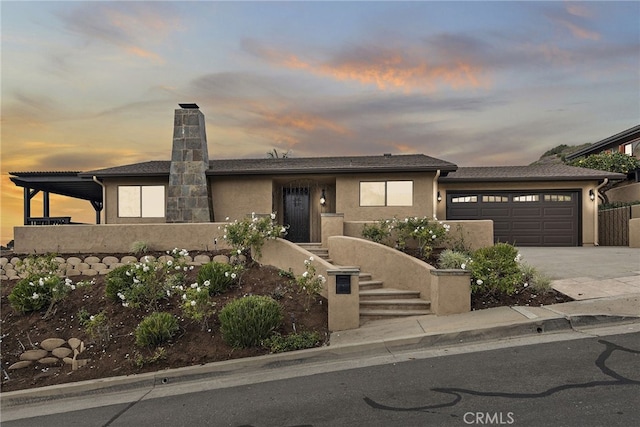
(93,266)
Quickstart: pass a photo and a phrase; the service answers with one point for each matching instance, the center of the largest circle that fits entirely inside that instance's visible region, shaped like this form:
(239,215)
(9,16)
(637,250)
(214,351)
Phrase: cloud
(131,27)
(575,18)
(418,67)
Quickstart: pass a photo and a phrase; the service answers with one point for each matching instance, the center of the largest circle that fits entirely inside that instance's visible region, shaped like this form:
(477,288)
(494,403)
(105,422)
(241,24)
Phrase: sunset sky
(87,85)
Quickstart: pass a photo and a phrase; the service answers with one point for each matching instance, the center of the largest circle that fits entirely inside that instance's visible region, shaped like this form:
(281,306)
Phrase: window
(464,199)
(141,201)
(495,199)
(386,193)
(557,197)
(527,198)
(628,149)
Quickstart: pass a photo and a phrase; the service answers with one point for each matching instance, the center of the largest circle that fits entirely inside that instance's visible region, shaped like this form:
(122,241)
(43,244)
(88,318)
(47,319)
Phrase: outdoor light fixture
(323,199)
(592,195)
(439,198)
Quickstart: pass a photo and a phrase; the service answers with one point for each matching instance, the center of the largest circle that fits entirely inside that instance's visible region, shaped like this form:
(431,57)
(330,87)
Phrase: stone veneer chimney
(189,199)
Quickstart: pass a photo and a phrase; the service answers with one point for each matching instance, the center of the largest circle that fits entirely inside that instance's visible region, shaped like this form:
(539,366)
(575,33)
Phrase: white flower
(283,230)
(193,303)
(125,304)
(224,237)
(177,268)
(226,274)
(518,258)
(207,283)
(233,275)
(92,318)
(169,263)
(311,258)
(184,296)
(526,284)
(273,216)
(41,281)
(121,295)
(194,285)
(136,280)
(146,258)
(305,274)
(168,293)
(239,251)
(73,287)
(35,296)
(68,281)
(463,266)
(322,279)
(226,219)
(479,282)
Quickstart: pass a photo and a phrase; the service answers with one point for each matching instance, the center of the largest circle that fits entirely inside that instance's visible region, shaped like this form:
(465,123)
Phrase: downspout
(595,212)
(97,181)
(435,193)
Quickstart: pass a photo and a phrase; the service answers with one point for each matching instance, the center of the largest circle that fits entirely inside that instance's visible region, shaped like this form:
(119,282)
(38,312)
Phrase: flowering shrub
(41,287)
(96,326)
(248,233)
(427,233)
(450,259)
(145,283)
(310,284)
(196,303)
(246,322)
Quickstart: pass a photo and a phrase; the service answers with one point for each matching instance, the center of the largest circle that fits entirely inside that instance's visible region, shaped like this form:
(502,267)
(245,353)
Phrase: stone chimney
(189,199)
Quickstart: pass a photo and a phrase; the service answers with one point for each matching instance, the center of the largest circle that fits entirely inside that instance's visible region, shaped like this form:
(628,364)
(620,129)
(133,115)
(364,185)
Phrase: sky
(89,85)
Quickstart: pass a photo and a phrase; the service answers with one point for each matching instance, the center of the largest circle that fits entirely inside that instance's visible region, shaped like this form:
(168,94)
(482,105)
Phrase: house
(627,142)
(551,205)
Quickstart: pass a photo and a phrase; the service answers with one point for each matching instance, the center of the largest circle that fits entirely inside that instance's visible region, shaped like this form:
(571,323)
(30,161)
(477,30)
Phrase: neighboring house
(530,205)
(627,142)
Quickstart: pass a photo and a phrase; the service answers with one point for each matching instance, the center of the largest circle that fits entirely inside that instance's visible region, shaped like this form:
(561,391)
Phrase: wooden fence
(613,226)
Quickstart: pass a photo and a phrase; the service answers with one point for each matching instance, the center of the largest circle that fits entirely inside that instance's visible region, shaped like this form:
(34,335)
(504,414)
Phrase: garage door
(522,218)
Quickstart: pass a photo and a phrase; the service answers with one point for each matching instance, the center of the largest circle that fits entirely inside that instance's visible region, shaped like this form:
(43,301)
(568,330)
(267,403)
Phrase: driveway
(588,272)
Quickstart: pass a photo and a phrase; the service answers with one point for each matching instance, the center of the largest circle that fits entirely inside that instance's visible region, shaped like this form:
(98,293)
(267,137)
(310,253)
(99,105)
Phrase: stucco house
(547,205)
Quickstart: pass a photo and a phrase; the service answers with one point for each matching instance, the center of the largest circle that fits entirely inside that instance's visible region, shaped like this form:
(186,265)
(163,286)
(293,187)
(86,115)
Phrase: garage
(522,218)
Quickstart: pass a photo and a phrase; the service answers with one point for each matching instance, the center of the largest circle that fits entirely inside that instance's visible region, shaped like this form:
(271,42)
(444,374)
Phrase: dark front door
(296,214)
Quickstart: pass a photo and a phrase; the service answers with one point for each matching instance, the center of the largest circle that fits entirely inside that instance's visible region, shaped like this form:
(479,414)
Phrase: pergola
(63,183)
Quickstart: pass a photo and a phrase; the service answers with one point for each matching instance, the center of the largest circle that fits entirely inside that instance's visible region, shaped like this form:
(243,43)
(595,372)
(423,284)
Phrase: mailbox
(343,284)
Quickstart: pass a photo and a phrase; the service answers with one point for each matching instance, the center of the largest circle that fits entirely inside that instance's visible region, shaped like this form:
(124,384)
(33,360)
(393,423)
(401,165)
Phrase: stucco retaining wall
(396,269)
(118,238)
(634,233)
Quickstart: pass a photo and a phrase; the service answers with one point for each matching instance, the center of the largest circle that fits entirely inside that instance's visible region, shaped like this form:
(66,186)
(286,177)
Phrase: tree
(273,154)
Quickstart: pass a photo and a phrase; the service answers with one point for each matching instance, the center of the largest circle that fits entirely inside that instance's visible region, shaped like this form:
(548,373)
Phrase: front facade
(530,206)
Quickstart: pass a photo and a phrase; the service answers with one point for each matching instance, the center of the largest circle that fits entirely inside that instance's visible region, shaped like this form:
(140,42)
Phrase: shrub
(310,284)
(378,232)
(196,303)
(246,321)
(145,283)
(277,343)
(220,276)
(97,327)
(36,292)
(155,329)
(496,268)
(252,233)
(427,233)
(139,248)
(450,259)
(532,277)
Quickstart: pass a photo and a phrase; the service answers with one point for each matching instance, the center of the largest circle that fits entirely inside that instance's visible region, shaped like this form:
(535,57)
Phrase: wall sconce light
(439,197)
(592,195)
(323,199)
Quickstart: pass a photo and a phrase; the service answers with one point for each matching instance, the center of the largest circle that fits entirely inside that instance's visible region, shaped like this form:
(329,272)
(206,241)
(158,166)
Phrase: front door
(296,214)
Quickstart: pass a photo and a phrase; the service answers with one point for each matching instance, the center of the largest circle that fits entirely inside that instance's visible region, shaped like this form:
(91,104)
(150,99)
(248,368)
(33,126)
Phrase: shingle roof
(292,165)
(544,172)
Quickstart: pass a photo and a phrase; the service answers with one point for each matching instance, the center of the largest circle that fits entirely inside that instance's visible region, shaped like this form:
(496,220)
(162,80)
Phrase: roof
(544,172)
(67,183)
(607,143)
(291,165)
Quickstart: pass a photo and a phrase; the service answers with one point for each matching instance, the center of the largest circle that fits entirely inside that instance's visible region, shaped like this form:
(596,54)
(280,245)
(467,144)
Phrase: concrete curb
(219,370)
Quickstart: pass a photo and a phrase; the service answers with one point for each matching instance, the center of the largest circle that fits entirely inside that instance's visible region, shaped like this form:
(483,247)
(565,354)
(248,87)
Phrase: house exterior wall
(110,213)
(348,196)
(237,197)
(589,208)
(625,193)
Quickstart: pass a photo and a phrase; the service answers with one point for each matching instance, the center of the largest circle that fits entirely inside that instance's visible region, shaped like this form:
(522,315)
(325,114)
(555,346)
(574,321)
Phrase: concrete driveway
(588,272)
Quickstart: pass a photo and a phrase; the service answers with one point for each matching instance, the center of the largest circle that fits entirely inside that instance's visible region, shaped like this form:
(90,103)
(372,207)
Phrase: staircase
(377,301)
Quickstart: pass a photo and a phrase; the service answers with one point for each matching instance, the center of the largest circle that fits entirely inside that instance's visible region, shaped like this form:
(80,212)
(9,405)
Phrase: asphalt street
(565,379)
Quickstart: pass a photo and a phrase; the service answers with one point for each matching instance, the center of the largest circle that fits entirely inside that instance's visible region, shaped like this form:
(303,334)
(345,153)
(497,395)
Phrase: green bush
(155,329)
(450,259)
(246,322)
(277,343)
(496,269)
(533,278)
(117,281)
(28,295)
(220,276)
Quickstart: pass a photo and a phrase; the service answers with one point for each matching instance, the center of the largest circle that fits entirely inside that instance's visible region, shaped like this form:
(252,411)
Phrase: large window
(141,201)
(386,193)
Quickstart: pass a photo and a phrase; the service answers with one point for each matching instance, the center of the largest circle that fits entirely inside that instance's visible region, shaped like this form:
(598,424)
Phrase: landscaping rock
(49,360)
(61,352)
(33,355)
(73,260)
(129,259)
(51,343)
(19,365)
(74,343)
(91,260)
(220,258)
(109,260)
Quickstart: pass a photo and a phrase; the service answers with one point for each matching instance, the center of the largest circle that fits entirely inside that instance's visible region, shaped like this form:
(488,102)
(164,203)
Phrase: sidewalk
(601,298)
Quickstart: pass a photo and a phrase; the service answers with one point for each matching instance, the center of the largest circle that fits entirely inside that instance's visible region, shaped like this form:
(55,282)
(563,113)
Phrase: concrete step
(370,284)
(387,294)
(364,276)
(410,304)
(371,314)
